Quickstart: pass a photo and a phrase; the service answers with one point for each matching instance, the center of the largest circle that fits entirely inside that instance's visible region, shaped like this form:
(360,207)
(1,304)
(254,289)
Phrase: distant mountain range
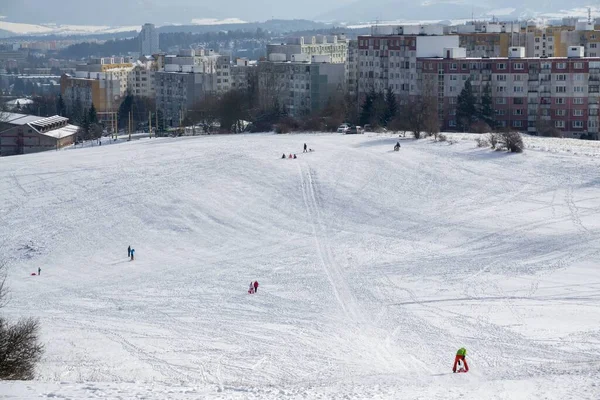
(122,17)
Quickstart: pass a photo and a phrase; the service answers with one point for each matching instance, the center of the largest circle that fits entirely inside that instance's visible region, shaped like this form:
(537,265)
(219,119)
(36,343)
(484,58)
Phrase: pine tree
(391,106)
(366,113)
(92,115)
(61,108)
(466,110)
(160,128)
(486,111)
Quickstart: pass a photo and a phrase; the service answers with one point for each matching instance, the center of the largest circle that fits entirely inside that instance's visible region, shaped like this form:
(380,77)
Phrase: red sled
(461,370)
(33,274)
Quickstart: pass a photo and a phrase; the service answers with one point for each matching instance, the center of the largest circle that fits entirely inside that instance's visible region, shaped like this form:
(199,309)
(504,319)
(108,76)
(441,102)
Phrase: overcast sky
(124,12)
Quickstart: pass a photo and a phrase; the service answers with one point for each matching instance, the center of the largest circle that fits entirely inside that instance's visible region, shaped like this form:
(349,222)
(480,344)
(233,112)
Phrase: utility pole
(156,122)
(149,124)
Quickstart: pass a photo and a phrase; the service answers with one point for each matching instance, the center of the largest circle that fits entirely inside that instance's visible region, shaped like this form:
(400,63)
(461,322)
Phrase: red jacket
(255,284)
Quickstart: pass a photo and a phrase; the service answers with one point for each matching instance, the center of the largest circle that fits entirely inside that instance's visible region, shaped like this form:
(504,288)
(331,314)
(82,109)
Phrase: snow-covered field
(374,267)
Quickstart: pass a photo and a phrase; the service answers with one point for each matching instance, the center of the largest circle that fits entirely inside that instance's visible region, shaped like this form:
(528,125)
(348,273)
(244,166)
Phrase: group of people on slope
(306,150)
(253,287)
(130,253)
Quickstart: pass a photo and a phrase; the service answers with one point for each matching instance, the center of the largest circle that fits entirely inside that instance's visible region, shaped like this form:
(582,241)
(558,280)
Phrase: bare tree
(20,348)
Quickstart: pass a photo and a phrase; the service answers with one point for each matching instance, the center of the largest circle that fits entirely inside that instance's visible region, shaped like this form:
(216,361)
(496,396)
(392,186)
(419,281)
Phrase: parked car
(343,128)
(354,129)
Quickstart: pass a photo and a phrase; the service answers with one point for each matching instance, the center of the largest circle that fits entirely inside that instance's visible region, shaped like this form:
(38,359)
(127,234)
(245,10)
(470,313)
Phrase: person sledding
(397,146)
(255,286)
(251,288)
(461,361)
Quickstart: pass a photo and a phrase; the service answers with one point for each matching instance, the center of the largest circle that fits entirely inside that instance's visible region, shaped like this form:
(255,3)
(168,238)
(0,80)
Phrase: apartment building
(336,47)
(108,68)
(301,87)
(142,77)
(187,79)
(243,74)
(561,91)
(148,38)
(390,60)
(352,68)
(81,92)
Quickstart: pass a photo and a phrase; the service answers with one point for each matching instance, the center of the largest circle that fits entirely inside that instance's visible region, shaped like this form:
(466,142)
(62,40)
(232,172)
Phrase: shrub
(20,349)
(512,141)
(282,128)
(480,127)
(441,137)
(417,134)
(482,142)
(493,140)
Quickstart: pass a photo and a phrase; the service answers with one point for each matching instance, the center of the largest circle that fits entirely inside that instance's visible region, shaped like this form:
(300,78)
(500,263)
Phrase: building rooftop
(19,119)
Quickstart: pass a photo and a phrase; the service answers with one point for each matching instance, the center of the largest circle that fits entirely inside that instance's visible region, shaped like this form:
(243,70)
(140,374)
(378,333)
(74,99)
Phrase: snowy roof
(48,122)
(21,102)
(59,133)
(19,119)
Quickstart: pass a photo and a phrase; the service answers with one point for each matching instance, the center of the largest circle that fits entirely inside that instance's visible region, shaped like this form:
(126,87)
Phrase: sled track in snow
(341,290)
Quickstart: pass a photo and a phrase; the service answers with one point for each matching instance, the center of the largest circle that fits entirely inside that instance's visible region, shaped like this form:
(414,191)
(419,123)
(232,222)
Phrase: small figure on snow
(39,271)
(129,252)
(295,156)
(290,155)
(255,286)
(304,148)
(283,156)
(397,146)
(132,253)
(461,357)
(311,150)
(251,288)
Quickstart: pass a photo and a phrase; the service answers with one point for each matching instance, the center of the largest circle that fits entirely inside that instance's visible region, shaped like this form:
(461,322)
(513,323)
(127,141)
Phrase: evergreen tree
(486,111)
(61,108)
(77,113)
(391,106)
(92,115)
(466,110)
(160,128)
(366,113)
(124,109)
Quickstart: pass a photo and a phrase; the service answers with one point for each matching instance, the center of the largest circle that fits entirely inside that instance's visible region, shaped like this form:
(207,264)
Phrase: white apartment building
(390,61)
(336,47)
(149,40)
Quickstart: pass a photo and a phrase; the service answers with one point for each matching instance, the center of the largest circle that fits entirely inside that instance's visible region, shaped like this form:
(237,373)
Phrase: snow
(374,267)
(57,29)
(215,21)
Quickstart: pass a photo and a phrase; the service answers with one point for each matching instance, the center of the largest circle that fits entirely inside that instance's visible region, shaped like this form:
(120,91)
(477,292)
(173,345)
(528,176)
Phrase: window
(517,124)
(577,124)
(501,100)
(560,89)
(593,45)
(452,123)
(560,100)
(517,78)
(578,65)
(517,100)
(561,65)
(501,78)
(500,112)
(578,113)
(561,113)
(561,77)
(452,100)
(518,89)
(518,65)
(578,89)
(500,89)
(453,77)
(578,100)
(501,66)
(518,111)
(559,124)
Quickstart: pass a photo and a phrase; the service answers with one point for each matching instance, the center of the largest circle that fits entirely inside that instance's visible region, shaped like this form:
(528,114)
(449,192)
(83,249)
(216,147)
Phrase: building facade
(301,87)
(25,134)
(149,40)
(82,92)
(560,92)
(336,47)
(390,61)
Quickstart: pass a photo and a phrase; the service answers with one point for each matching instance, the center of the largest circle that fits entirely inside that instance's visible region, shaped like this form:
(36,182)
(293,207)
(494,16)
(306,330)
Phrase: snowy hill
(374,268)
